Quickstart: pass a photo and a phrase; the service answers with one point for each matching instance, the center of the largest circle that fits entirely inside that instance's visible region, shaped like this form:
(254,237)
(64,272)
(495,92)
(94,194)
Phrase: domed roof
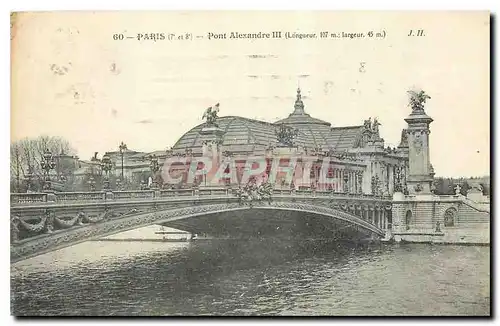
(243,135)
(240,135)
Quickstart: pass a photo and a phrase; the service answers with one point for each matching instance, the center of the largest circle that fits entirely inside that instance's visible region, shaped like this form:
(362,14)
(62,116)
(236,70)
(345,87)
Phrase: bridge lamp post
(106,167)
(91,183)
(47,164)
(123,148)
(29,179)
(155,167)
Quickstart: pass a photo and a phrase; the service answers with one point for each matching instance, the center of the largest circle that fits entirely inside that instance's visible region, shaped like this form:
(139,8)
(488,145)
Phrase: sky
(70,78)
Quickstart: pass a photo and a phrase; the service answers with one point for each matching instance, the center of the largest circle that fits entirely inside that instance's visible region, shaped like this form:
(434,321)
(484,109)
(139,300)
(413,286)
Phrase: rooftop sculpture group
(286,134)
(417,100)
(211,115)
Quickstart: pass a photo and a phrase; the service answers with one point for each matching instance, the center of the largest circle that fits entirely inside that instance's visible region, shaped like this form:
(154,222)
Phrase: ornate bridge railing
(80,196)
(51,220)
(21,199)
(26,198)
(146,194)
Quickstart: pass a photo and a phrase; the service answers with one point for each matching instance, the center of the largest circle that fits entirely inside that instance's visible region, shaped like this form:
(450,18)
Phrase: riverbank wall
(439,219)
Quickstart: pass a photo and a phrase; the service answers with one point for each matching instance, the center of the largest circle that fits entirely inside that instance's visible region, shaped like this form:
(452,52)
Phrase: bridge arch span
(302,208)
(58,239)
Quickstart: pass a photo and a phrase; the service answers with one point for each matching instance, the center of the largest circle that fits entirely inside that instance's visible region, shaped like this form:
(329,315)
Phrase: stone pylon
(420,176)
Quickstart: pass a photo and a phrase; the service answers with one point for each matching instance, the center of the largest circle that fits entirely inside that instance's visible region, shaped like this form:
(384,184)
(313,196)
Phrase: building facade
(359,160)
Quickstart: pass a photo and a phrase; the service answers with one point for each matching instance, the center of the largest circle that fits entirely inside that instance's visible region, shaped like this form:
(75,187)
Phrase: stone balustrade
(80,196)
(141,194)
(177,192)
(21,199)
(482,207)
(27,198)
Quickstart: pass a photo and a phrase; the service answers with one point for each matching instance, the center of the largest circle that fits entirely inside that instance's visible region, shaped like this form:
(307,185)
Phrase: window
(449,217)
(408,219)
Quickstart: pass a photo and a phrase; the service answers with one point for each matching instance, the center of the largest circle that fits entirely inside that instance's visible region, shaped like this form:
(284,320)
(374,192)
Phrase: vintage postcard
(253,163)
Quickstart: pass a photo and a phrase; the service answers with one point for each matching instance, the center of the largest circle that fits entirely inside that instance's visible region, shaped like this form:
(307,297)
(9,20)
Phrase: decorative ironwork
(84,226)
(345,155)
(123,148)
(91,183)
(47,164)
(118,184)
(29,179)
(106,166)
(155,167)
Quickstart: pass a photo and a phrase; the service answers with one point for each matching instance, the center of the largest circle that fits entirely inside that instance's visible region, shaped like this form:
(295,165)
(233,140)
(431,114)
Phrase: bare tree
(15,167)
(26,156)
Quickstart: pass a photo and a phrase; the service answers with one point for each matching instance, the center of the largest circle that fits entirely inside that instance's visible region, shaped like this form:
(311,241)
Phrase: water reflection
(255,277)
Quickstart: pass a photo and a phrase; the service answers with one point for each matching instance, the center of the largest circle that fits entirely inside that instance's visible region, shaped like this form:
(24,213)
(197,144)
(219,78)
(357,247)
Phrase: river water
(253,277)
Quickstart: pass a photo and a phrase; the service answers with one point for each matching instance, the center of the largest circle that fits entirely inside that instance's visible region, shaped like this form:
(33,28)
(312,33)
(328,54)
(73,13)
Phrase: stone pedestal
(211,131)
(420,176)
(419,184)
(211,137)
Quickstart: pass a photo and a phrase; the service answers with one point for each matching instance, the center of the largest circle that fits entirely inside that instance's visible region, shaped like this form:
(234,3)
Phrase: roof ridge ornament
(299,105)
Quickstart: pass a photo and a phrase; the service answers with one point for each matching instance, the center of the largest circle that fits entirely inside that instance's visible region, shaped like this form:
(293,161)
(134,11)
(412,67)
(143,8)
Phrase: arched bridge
(43,222)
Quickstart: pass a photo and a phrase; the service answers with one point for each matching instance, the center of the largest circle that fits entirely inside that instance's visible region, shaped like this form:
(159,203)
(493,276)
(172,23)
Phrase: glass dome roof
(243,135)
